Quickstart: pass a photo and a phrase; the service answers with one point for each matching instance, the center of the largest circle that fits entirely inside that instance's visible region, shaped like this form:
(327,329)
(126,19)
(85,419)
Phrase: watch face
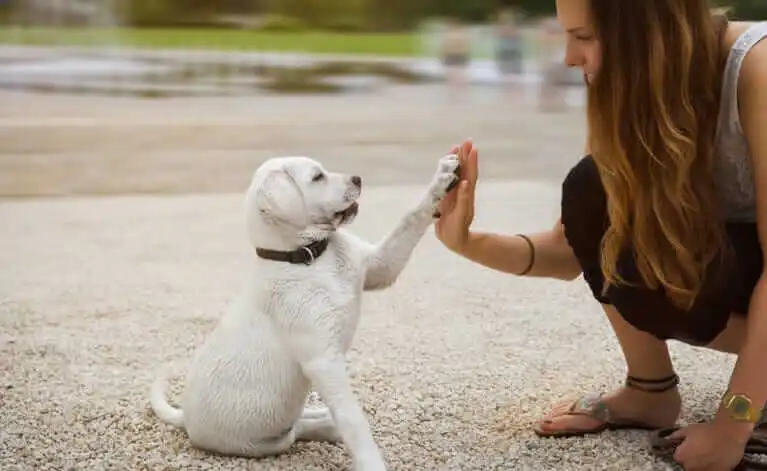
(740,406)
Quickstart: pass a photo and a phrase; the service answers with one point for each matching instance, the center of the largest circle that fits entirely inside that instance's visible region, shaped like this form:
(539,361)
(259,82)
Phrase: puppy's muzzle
(348,213)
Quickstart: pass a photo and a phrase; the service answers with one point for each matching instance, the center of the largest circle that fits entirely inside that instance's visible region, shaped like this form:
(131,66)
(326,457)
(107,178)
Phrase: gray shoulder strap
(737,55)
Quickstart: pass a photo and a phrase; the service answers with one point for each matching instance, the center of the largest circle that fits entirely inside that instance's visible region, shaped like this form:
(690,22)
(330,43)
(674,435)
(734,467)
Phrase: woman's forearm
(511,254)
(748,376)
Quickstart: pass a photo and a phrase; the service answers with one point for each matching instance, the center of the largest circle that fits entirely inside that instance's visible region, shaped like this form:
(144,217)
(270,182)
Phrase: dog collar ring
(311,255)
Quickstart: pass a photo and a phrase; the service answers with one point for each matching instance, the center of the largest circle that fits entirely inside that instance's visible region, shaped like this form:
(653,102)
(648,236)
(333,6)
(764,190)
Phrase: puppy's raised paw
(446,177)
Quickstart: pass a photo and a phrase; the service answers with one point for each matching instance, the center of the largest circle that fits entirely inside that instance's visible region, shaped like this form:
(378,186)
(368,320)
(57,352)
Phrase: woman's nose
(573,57)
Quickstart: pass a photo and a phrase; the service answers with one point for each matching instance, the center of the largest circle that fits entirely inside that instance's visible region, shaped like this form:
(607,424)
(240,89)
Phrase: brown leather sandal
(594,407)
(664,447)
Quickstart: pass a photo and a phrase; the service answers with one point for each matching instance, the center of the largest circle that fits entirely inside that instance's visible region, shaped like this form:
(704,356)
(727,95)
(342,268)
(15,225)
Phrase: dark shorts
(727,288)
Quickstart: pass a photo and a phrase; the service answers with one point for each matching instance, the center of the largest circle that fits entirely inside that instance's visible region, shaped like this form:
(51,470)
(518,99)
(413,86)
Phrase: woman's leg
(647,358)
(651,398)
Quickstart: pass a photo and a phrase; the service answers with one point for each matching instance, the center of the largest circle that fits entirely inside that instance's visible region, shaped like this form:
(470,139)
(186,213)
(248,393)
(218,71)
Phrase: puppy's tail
(161,407)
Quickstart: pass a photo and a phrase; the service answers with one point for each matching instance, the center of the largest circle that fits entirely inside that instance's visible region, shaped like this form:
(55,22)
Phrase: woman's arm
(511,254)
(750,374)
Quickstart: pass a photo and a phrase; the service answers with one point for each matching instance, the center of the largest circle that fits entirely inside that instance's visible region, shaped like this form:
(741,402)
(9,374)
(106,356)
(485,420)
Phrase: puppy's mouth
(349,213)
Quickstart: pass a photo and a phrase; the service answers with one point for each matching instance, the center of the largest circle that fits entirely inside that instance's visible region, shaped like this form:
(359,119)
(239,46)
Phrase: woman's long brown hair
(652,115)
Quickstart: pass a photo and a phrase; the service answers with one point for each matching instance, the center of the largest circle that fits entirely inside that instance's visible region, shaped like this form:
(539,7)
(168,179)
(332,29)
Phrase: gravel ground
(54,145)
(453,364)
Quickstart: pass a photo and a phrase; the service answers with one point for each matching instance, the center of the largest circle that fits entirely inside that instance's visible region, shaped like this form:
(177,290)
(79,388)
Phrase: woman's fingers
(463,153)
(464,200)
(472,167)
(468,144)
(462,195)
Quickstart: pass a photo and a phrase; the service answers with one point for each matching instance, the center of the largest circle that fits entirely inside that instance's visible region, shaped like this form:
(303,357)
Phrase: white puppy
(247,386)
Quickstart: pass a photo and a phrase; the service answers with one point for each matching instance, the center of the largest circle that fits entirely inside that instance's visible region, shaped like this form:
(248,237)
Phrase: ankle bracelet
(652,385)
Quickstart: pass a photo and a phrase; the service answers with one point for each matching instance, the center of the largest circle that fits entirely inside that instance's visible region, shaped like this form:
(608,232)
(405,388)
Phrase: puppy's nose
(357,181)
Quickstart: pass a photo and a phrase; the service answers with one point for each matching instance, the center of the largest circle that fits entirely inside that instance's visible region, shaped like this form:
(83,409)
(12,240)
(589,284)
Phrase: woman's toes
(568,423)
(558,410)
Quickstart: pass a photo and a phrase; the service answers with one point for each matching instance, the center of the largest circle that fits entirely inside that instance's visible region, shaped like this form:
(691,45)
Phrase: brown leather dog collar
(305,254)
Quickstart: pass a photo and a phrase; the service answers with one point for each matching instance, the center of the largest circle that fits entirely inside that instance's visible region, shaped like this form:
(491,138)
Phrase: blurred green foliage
(294,15)
(747,9)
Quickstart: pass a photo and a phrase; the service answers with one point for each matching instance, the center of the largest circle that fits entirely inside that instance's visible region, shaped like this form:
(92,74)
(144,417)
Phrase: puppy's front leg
(328,374)
(387,259)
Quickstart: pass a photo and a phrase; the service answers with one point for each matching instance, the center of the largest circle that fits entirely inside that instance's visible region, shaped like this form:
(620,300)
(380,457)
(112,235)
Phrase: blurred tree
(533,7)
(392,15)
(332,14)
(8,8)
(240,6)
(467,10)
(368,14)
(307,10)
(342,15)
(166,12)
(147,12)
(755,10)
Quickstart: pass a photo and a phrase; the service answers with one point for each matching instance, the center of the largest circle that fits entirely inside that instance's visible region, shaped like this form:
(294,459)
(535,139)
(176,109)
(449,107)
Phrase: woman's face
(582,48)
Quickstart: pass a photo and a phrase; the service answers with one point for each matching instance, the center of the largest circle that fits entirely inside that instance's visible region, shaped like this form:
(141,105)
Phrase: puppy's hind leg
(317,425)
(317,412)
(269,447)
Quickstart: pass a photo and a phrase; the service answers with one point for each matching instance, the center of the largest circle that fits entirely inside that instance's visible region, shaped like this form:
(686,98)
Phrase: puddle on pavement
(156,78)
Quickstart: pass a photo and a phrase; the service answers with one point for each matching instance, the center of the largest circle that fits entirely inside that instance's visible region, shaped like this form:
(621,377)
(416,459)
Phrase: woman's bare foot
(628,407)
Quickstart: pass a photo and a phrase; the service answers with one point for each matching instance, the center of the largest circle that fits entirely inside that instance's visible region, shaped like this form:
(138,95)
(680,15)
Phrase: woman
(665,217)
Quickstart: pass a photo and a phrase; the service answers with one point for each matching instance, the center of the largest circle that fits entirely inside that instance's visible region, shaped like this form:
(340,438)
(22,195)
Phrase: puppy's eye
(318,177)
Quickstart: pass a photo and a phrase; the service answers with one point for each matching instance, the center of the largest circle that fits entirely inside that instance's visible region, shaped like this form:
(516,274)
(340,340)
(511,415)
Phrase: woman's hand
(457,207)
(711,446)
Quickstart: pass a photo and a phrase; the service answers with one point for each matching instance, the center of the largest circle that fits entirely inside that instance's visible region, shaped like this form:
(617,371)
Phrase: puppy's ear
(279,200)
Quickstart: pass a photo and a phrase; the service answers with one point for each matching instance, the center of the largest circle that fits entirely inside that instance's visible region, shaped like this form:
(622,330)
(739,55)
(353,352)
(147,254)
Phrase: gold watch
(740,408)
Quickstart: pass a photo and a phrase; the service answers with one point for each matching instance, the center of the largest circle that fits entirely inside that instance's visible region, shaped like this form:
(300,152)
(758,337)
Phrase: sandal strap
(591,405)
(594,406)
(652,385)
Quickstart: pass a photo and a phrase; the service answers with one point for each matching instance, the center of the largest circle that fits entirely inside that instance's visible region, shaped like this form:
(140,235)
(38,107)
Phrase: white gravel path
(453,364)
